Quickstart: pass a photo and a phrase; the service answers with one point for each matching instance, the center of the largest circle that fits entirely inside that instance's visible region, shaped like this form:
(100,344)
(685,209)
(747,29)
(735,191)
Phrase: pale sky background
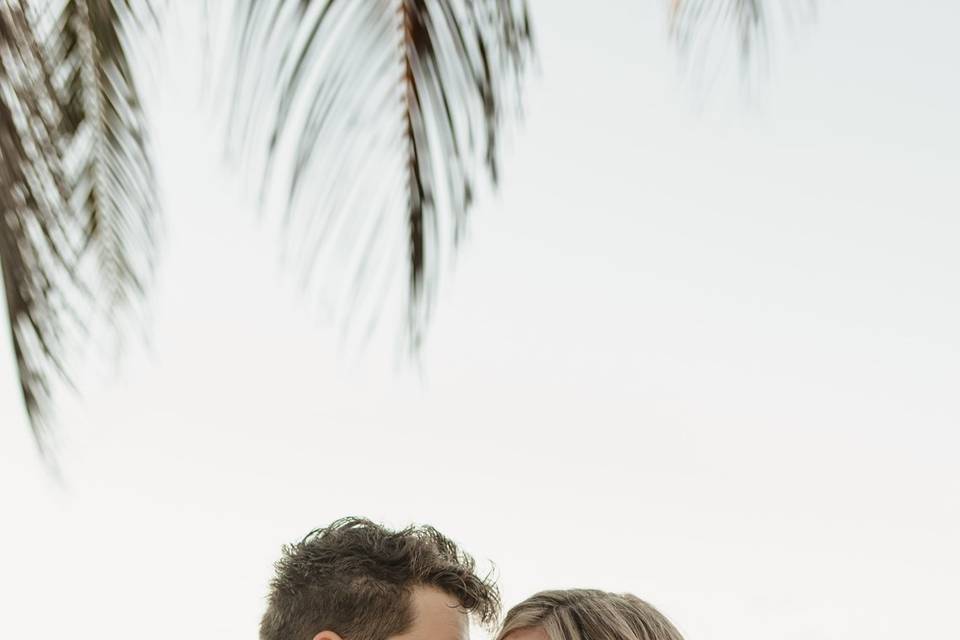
(698,347)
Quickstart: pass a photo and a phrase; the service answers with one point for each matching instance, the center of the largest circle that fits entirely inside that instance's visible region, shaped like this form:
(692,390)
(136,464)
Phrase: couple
(356,580)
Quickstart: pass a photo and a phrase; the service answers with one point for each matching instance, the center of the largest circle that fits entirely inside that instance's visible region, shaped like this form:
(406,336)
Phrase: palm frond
(699,18)
(38,249)
(698,25)
(77,202)
(107,155)
(386,114)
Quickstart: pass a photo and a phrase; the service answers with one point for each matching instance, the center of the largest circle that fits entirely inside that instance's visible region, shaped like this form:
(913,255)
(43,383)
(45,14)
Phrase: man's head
(356,580)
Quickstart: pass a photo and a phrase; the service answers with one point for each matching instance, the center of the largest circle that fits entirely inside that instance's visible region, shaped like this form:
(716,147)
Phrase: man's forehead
(436,616)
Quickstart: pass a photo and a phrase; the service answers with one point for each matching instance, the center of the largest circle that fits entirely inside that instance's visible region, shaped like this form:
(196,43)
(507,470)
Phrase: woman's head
(586,614)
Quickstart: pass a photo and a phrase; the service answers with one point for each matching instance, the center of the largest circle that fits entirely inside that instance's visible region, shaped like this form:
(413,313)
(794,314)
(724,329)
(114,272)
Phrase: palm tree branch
(113,180)
(38,251)
(78,203)
(696,25)
(381,105)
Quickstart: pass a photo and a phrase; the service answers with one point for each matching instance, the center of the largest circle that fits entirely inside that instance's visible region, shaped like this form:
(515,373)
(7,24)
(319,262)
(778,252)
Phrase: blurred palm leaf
(78,198)
(386,112)
(377,118)
(698,25)
(748,18)
(38,247)
(112,177)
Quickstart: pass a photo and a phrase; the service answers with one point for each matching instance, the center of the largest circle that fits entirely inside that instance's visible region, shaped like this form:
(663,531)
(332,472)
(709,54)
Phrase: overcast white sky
(703,350)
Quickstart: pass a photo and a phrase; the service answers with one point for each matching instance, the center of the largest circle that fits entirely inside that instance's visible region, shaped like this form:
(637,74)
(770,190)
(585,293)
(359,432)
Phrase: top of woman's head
(586,614)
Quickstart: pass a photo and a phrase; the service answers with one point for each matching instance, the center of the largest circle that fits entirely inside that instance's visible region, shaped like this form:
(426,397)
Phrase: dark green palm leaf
(385,114)
(78,200)
(107,155)
(39,250)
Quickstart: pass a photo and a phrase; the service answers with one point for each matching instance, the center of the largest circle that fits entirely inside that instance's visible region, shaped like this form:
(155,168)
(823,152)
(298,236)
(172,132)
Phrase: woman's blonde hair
(589,614)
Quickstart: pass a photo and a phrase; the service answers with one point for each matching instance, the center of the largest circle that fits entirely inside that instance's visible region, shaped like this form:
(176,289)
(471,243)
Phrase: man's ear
(327,635)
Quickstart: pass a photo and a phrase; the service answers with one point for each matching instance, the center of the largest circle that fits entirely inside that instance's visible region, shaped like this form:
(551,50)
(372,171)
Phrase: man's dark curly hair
(355,578)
